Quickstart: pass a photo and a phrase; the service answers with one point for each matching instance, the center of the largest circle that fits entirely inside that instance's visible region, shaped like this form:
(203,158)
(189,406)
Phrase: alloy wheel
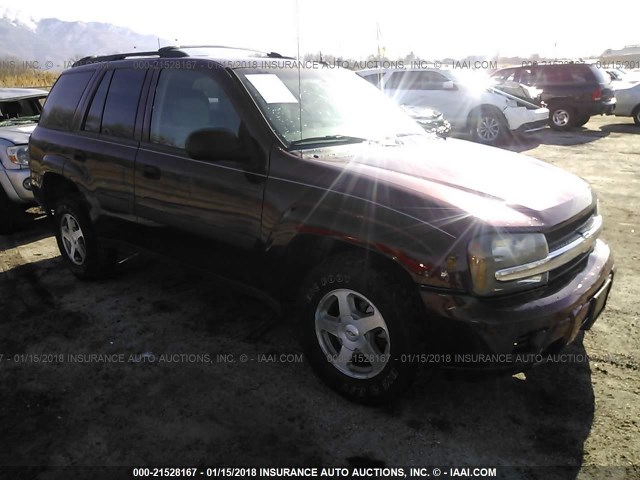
(73,239)
(352,333)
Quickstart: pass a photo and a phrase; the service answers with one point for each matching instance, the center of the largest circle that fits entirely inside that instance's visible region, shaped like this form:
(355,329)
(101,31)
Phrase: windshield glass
(20,111)
(326,106)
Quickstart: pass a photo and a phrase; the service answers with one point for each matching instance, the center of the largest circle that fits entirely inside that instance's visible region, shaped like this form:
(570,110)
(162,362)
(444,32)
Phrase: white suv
(469,105)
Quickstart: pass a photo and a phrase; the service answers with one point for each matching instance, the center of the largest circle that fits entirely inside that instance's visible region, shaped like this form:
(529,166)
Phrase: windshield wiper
(330,139)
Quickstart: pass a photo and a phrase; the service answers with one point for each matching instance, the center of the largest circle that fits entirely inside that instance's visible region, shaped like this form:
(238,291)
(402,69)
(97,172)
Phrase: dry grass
(27,78)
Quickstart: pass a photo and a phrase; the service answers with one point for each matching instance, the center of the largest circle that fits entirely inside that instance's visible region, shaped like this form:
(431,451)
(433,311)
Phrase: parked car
(19,112)
(619,76)
(489,115)
(382,244)
(628,98)
(572,91)
(431,120)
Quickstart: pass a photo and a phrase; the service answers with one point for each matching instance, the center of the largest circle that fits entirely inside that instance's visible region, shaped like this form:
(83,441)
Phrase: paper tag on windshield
(271,88)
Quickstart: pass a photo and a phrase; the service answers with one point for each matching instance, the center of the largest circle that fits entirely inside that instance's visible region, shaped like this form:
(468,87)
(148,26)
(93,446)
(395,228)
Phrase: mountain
(56,43)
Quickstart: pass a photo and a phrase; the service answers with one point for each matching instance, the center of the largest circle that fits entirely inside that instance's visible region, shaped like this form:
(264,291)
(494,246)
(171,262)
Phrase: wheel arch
(485,106)
(306,251)
(54,187)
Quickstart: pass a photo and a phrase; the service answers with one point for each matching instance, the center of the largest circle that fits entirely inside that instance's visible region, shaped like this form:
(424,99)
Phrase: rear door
(110,140)
(196,203)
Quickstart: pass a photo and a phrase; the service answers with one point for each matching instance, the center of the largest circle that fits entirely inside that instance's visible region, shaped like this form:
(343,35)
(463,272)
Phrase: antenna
(298,61)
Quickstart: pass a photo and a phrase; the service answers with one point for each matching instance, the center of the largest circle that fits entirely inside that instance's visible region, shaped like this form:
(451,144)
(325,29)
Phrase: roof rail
(170,51)
(122,56)
(173,48)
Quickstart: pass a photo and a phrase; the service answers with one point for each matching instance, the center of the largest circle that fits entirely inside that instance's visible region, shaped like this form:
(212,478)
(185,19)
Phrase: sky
(355,28)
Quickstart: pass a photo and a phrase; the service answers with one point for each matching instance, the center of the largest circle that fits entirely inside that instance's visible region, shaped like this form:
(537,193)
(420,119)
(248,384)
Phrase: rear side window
(63,100)
(93,122)
(121,105)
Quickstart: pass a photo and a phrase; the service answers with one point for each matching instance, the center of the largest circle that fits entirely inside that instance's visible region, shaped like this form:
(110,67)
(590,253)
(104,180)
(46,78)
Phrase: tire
(488,126)
(338,300)
(10,214)
(636,116)
(78,242)
(561,117)
(581,121)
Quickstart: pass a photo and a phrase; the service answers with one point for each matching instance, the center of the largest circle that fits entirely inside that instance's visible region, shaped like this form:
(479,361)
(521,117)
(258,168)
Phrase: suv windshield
(314,107)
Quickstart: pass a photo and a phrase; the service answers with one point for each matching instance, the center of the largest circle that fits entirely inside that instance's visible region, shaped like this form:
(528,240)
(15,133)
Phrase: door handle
(151,172)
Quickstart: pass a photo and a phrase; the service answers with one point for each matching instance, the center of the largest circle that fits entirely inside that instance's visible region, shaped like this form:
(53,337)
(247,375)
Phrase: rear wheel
(78,243)
(357,327)
(561,117)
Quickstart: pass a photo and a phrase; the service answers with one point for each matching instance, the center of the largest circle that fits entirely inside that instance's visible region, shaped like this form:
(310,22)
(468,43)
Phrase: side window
(63,100)
(525,76)
(395,81)
(119,116)
(506,75)
(93,122)
(186,101)
(374,78)
(579,74)
(431,81)
(416,81)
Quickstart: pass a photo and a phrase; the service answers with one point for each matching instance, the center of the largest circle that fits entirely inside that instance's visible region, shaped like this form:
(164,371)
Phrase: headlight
(490,253)
(19,155)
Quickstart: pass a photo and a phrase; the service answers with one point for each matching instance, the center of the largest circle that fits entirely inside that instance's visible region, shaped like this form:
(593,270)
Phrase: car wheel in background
(488,126)
(9,214)
(581,121)
(78,243)
(561,117)
(358,329)
(636,115)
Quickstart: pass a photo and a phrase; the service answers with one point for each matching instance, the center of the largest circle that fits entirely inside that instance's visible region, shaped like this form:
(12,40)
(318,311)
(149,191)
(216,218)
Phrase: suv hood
(499,187)
(17,134)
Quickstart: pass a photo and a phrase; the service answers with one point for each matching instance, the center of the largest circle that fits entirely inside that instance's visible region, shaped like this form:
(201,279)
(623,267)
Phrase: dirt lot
(188,411)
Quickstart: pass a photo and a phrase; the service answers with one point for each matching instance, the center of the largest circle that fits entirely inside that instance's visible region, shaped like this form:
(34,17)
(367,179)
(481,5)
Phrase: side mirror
(214,144)
(449,85)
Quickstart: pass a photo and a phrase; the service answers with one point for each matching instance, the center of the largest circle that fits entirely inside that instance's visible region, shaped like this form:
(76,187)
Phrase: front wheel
(488,127)
(358,330)
(78,243)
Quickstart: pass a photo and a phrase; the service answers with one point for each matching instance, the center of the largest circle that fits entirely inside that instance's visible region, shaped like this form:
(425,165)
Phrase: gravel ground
(166,391)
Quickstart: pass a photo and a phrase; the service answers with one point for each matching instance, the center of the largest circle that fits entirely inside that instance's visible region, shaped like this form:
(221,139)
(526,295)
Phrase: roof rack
(122,56)
(170,51)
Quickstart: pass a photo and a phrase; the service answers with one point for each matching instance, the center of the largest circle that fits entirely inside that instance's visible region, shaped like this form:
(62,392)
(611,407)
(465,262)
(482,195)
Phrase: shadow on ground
(189,411)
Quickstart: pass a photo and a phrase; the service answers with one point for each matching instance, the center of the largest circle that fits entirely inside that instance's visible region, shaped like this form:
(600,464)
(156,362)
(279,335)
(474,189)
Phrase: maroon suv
(387,247)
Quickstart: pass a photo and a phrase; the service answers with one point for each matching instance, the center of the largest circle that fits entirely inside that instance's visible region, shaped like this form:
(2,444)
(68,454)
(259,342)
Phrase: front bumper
(518,117)
(532,127)
(13,183)
(509,332)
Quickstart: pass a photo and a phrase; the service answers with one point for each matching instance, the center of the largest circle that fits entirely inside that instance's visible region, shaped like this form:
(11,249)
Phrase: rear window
(63,100)
(601,75)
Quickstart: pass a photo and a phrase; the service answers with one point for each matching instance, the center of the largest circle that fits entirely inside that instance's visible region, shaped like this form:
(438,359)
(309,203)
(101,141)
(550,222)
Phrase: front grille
(568,231)
(568,271)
